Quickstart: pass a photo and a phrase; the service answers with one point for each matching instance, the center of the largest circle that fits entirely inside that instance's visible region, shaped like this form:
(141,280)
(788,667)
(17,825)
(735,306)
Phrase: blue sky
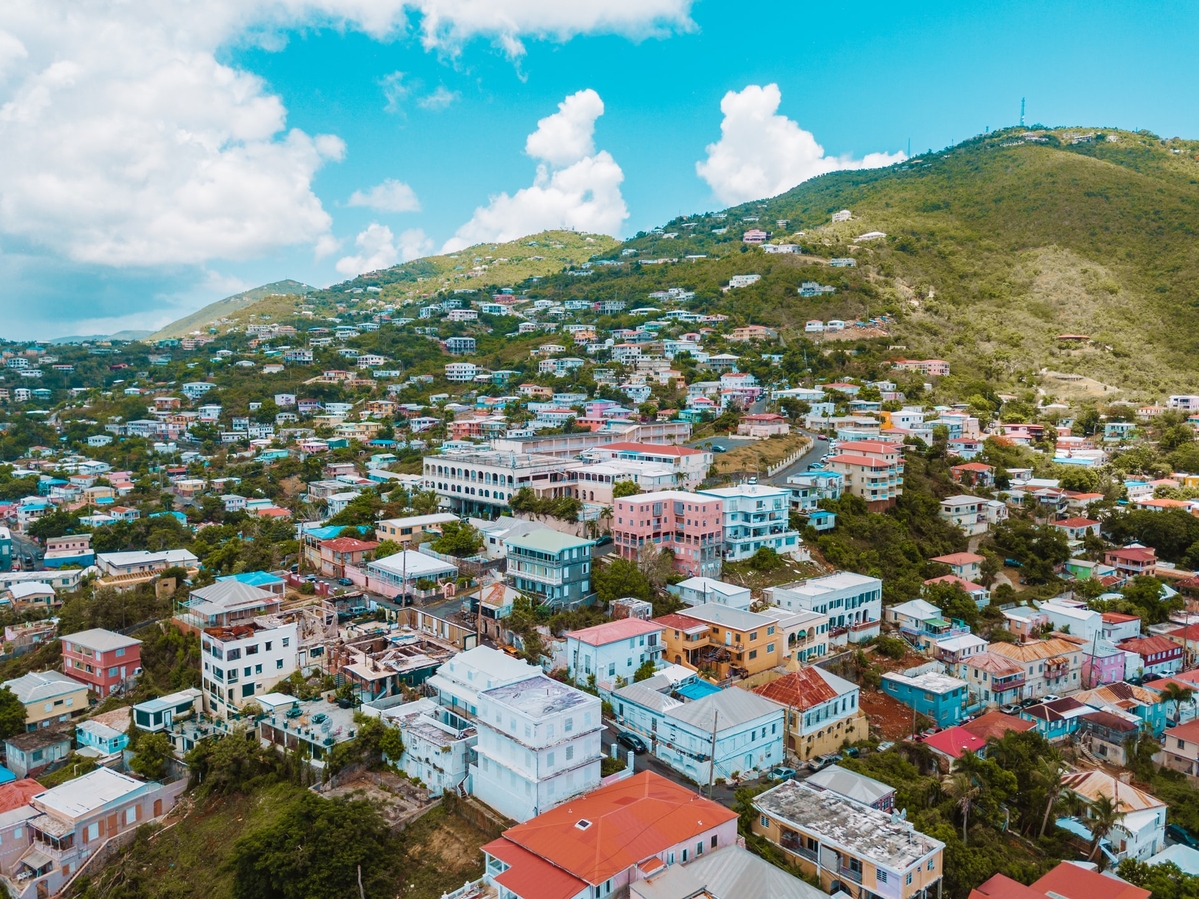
(227,154)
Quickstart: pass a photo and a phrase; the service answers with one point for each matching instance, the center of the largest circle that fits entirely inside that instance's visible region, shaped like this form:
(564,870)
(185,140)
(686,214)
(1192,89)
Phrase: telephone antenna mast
(1021,112)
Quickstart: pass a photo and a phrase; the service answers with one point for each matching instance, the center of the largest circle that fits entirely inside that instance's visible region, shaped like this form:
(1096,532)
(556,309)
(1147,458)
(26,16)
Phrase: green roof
(548,540)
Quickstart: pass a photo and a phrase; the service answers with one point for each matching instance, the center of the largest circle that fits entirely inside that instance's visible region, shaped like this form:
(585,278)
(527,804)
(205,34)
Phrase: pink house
(688,524)
(103,660)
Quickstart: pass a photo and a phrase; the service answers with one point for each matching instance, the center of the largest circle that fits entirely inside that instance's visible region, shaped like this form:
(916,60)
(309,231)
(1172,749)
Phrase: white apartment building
(484,482)
(539,745)
(461,371)
(460,680)
(246,660)
(438,745)
(852,602)
(757,516)
(973,514)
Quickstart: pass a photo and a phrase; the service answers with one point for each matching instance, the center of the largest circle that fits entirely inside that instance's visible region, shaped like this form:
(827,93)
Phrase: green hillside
(993,249)
(485,265)
(231,307)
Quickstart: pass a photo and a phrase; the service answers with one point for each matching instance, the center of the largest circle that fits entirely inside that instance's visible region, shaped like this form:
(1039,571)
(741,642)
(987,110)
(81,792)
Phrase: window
(549,760)
(570,753)
(112,672)
(769,648)
(287,641)
(930,864)
(713,841)
(908,880)
(570,725)
(258,669)
(880,875)
(278,664)
(669,855)
(268,645)
(684,856)
(699,848)
(753,653)
(247,690)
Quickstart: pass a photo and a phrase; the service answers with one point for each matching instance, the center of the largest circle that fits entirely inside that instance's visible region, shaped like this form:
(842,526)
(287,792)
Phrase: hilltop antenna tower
(1021,112)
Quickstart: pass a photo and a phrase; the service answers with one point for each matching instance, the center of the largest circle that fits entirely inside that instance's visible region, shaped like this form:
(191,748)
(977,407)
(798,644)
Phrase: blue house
(98,736)
(822,520)
(1056,720)
(936,696)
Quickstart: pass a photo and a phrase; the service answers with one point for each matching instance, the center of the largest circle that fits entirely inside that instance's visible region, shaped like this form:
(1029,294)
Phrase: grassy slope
(230,306)
(190,860)
(485,265)
(1019,244)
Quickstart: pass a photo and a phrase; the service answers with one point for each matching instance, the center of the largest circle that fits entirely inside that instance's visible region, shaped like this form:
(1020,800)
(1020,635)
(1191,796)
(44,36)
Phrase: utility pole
(712,759)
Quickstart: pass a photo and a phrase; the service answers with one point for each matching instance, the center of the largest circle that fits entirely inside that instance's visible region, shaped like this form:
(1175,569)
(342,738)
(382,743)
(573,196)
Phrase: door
(157,808)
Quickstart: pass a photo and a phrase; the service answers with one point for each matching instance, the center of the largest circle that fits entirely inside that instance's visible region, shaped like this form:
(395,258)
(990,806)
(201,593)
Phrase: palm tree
(963,791)
(1179,695)
(1048,776)
(1104,815)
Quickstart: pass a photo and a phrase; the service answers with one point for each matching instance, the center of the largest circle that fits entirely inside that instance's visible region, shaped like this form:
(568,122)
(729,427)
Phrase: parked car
(885,745)
(718,449)
(1050,697)
(344,581)
(1180,834)
(604,540)
(822,437)
(782,773)
(632,741)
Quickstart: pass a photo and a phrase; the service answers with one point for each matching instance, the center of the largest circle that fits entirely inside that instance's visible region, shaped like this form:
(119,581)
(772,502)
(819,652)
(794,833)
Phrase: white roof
(141,556)
(956,644)
(30,588)
(89,793)
(412,565)
(711,585)
(416,521)
(38,686)
(918,609)
(100,640)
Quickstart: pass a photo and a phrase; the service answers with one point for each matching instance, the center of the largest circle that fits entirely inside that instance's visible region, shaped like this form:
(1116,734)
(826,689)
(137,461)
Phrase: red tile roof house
(1160,656)
(975,474)
(599,844)
(1078,528)
(102,660)
(340,551)
(967,566)
(954,742)
(1066,881)
(1132,561)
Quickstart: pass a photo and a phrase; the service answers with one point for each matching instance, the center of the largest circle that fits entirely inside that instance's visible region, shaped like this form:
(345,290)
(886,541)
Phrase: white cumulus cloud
(390,196)
(574,187)
(761,153)
(126,142)
(378,248)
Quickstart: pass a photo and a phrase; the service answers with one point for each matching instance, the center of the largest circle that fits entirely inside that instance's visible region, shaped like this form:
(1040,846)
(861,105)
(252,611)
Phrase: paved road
(819,448)
(724,442)
(26,549)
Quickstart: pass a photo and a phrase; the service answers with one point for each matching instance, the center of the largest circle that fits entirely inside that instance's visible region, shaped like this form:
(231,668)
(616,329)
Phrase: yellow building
(722,641)
(848,846)
(49,697)
(823,713)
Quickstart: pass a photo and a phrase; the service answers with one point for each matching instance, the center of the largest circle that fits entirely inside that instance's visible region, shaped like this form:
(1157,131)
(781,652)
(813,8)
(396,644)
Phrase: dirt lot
(760,455)
(888,716)
(399,801)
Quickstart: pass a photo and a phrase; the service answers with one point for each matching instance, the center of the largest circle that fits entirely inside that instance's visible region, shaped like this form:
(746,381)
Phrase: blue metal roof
(253,578)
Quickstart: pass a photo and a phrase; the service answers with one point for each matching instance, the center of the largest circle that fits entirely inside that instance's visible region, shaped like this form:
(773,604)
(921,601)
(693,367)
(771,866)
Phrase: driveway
(724,793)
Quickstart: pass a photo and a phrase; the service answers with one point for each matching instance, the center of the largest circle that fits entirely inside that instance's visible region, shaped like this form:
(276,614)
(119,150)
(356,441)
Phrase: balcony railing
(850,874)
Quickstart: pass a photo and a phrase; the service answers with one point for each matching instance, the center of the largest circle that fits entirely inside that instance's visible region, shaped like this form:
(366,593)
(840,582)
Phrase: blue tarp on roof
(6,776)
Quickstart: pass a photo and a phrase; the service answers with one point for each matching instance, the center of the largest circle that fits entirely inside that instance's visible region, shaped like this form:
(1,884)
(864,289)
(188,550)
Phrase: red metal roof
(612,631)
(996,724)
(630,821)
(954,741)
(801,689)
(531,876)
(1003,887)
(1144,646)
(348,545)
(959,559)
(18,793)
(1074,882)
(678,622)
(1076,523)
(972,466)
